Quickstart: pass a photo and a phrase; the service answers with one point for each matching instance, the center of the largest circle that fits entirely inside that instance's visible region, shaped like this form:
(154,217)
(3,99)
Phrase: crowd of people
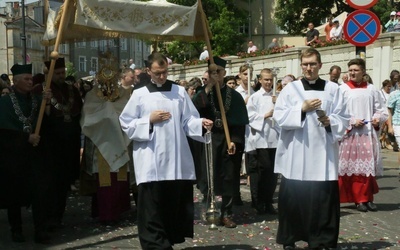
(134,131)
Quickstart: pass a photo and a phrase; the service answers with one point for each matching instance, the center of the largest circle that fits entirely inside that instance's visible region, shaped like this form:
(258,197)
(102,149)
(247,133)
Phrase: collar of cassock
(354,85)
(154,87)
(318,84)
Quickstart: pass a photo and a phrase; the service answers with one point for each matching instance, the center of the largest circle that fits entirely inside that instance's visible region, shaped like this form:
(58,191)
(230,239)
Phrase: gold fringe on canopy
(152,20)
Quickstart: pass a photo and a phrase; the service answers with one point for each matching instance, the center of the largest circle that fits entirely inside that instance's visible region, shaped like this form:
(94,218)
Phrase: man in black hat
(225,160)
(63,135)
(22,182)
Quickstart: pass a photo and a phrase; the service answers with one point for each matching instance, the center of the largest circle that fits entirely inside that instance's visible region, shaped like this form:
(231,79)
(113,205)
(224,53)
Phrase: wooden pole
(53,56)
(217,86)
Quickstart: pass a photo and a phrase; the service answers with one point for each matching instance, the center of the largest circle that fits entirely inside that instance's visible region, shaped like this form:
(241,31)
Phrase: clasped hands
(315,104)
(158,116)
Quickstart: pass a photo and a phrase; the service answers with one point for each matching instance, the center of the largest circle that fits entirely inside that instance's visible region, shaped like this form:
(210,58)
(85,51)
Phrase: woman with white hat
(389,26)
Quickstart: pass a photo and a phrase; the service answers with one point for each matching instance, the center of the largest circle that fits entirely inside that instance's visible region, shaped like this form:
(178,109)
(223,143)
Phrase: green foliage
(224,19)
(71,71)
(382,9)
(293,16)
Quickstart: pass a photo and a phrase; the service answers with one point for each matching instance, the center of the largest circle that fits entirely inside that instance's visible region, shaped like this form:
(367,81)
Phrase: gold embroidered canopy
(153,20)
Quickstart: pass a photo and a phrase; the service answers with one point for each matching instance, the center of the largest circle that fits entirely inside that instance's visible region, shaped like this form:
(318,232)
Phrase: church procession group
(321,139)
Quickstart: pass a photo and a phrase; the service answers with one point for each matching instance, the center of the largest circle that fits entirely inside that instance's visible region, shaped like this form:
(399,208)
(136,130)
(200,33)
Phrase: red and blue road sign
(361,27)
(362,4)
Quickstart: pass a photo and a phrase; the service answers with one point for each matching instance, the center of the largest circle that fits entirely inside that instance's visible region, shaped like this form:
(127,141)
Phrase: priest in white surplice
(307,157)
(158,117)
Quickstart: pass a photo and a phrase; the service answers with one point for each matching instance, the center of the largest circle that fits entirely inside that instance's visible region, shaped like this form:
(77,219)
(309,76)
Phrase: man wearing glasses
(205,78)
(226,160)
(312,116)
(158,117)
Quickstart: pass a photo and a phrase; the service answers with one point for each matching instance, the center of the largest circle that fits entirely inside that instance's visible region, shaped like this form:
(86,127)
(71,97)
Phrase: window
(82,44)
(29,41)
(138,45)
(63,49)
(94,44)
(94,64)
(244,29)
(103,45)
(123,43)
(82,63)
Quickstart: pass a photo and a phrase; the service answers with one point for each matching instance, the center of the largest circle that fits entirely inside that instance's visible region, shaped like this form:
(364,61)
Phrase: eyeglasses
(312,65)
(204,79)
(158,74)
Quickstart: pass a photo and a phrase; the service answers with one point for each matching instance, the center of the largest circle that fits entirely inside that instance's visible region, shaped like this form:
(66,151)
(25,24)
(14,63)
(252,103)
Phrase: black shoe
(54,226)
(237,201)
(362,207)
(371,206)
(269,209)
(289,247)
(17,237)
(228,222)
(42,238)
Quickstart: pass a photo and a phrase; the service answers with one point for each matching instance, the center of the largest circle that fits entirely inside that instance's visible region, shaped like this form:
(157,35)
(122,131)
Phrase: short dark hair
(158,58)
(357,61)
(125,71)
(310,52)
(393,72)
(335,67)
(229,78)
(386,83)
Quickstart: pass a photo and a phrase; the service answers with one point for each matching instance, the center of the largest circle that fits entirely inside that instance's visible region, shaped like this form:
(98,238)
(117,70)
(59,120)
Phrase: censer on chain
(212,214)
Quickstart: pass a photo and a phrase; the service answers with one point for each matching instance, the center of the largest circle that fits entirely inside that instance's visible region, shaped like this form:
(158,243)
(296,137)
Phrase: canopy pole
(217,87)
(53,56)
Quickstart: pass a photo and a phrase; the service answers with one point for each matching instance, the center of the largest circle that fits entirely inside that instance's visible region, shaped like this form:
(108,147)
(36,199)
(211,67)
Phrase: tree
(293,16)
(225,20)
(382,9)
(71,71)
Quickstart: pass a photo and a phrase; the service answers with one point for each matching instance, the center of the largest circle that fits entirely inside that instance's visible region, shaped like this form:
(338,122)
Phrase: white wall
(381,58)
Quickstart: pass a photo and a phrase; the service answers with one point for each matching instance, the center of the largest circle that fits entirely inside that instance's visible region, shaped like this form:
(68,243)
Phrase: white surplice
(306,151)
(244,93)
(365,159)
(261,132)
(163,153)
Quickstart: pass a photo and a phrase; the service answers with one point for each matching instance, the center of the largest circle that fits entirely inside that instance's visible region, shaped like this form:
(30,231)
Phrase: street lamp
(23,35)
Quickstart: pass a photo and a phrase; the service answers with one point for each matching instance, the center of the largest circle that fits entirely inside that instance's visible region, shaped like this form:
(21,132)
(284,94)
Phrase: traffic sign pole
(361,52)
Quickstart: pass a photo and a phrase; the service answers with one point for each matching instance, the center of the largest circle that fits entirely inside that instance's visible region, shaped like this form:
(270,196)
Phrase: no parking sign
(361,27)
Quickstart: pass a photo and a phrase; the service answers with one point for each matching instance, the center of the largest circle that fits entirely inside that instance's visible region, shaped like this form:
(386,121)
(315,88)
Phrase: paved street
(371,230)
